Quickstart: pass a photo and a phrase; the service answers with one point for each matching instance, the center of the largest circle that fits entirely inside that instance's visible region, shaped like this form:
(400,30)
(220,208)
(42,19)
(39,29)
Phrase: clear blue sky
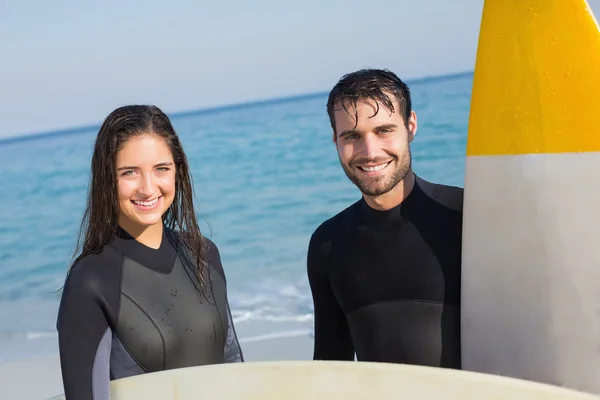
(67,63)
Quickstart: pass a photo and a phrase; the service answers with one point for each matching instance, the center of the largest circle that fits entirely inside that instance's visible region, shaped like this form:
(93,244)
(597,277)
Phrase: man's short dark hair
(370,84)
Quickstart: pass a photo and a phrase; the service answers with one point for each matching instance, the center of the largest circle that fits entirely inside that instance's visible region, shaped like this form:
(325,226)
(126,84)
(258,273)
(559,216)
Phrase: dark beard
(378,186)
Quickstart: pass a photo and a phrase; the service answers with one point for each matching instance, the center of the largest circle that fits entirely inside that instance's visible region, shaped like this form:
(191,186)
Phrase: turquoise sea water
(266,175)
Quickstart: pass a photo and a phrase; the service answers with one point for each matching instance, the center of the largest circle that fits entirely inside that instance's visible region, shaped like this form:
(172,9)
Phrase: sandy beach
(40,378)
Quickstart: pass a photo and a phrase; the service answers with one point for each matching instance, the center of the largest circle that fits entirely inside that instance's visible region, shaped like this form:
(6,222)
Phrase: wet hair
(101,215)
(370,84)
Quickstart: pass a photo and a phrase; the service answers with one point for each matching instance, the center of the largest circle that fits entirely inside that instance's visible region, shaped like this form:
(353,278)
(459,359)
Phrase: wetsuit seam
(155,326)
(217,270)
(208,244)
(395,232)
(92,386)
(119,303)
(129,353)
(216,305)
(144,265)
(436,302)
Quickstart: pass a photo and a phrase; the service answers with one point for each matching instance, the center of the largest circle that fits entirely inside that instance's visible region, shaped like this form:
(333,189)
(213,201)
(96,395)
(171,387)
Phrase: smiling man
(385,272)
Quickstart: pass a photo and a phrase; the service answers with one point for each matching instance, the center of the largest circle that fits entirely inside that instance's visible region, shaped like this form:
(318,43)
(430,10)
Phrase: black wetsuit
(133,309)
(386,284)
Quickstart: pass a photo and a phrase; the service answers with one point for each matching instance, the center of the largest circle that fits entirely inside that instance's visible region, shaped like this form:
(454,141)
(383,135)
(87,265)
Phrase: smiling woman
(131,301)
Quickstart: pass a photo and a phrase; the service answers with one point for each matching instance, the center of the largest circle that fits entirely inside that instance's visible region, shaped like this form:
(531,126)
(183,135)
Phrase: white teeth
(376,168)
(146,203)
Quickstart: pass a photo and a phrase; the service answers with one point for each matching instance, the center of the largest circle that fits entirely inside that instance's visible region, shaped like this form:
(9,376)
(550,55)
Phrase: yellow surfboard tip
(536,85)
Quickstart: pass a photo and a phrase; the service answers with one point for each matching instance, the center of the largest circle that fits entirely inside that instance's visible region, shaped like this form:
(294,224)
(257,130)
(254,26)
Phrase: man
(385,272)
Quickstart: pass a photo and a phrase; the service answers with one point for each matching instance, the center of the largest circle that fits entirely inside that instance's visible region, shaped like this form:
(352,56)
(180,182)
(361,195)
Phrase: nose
(147,185)
(370,147)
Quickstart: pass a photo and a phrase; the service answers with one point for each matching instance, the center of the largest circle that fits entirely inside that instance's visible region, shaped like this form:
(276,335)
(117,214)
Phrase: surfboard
(531,254)
(331,380)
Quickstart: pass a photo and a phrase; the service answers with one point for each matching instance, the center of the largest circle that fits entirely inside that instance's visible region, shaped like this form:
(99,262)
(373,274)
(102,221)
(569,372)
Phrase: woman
(147,292)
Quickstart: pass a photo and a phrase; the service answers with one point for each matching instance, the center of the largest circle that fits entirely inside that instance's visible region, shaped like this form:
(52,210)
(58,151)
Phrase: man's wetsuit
(386,284)
(133,309)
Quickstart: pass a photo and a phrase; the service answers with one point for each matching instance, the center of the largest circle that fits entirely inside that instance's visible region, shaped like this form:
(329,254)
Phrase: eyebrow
(348,132)
(163,164)
(377,128)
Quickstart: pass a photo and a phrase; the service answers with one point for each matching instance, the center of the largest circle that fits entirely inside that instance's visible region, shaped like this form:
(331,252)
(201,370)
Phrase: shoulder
(343,221)
(211,252)
(449,196)
(209,247)
(93,274)
(212,256)
(446,195)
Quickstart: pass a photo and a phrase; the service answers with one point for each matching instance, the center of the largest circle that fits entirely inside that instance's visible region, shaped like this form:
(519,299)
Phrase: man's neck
(395,196)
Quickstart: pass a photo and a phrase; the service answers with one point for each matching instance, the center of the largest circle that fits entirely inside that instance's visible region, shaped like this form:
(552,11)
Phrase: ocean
(266,174)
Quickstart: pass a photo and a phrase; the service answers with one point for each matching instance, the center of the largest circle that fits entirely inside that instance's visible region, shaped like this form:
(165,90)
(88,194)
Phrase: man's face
(375,152)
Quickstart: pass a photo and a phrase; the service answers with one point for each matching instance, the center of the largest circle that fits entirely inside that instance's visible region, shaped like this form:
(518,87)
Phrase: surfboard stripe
(536,85)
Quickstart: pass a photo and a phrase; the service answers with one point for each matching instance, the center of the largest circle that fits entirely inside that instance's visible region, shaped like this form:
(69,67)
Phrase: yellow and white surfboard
(531,252)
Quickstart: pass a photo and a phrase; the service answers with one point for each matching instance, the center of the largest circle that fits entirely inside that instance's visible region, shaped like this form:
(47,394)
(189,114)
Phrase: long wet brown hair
(100,220)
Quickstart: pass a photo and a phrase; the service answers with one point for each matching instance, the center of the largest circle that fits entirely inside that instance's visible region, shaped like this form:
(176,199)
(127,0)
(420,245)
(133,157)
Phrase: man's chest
(366,269)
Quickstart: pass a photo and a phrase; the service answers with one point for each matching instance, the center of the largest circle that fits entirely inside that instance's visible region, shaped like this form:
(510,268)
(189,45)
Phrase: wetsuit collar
(391,220)
(161,259)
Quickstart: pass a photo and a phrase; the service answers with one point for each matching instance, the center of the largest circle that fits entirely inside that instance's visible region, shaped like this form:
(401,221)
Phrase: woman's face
(145,181)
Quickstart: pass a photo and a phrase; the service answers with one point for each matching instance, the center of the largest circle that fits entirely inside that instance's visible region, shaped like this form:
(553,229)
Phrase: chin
(375,190)
(149,221)
(145,220)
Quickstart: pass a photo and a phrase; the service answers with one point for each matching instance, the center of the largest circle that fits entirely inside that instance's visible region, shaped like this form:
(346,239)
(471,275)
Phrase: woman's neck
(150,236)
